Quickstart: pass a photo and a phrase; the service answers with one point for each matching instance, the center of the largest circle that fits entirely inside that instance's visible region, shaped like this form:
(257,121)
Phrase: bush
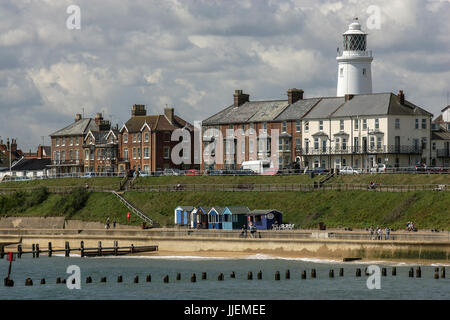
(73,202)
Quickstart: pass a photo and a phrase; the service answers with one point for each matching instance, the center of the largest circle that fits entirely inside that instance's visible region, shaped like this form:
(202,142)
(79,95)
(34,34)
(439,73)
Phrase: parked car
(88,175)
(144,174)
(318,171)
(381,167)
(193,172)
(349,170)
(171,172)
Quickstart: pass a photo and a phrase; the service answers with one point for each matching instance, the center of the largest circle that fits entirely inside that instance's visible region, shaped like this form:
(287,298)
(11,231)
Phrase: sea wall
(317,248)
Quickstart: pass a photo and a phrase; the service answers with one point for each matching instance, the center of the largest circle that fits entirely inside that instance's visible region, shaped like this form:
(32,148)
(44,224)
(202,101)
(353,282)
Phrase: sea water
(347,287)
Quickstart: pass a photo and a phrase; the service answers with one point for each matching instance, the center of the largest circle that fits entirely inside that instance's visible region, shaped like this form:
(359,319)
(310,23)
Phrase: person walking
(114,223)
(371,232)
(107,223)
(387,231)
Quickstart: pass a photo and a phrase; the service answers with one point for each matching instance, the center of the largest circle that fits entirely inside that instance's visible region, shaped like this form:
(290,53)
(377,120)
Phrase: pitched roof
(324,108)
(440,135)
(239,210)
(263,211)
(251,111)
(378,104)
(156,123)
(80,127)
(186,208)
(31,164)
(297,110)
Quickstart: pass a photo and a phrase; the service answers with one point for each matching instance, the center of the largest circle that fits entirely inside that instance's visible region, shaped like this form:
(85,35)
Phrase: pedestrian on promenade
(114,223)
(107,223)
(371,232)
(387,233)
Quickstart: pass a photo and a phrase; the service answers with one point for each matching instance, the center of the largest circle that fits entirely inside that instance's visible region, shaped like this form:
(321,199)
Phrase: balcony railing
(443,153)
(361,150)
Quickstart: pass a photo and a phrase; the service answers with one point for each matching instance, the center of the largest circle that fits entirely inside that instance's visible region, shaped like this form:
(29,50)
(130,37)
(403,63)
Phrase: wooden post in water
(436,273)
(136,279)
(331,273)
(193,278)
(19,251)
(232,275)
(287,274)
(250,276)
(394,271)
(418,272)
(178,276)
(148,278)
(277,275)
(132,249)
(259,275)
(37,250)
(119,279)
(303,275)
(166,279)
(383,272)
(103,279)
(116,246)
(313,273)
(89,279)
(50,250)
(220,277)
(99,249)
(42,281)
(67,251)
(341,272)
(28,282)
(82,248)
(33,249)
(58,280)
(443,272)
(411,272)
(2,252)
(358,272)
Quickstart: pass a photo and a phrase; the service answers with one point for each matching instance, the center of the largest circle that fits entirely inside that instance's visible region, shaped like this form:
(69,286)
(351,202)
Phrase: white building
(354,65)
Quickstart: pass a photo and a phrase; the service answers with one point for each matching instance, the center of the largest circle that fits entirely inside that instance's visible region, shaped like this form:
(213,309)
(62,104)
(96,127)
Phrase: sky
(193,54)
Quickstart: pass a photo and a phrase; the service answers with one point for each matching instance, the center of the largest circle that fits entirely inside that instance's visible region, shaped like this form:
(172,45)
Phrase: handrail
(133,208)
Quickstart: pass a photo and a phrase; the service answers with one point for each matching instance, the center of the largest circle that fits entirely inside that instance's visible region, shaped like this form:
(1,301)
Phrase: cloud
(193,54)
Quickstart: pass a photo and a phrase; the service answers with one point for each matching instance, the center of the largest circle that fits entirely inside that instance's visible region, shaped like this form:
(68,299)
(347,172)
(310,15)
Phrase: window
(397,123)
(377,123)
(70,155)
(134,153)
(243,129)
(306,145)
(297,126)
(250,146)
(372,142)
(99,154)
(306,126)
(356,124)
(76,155)
(341,125)
(138,153)
(344,144)
(320,125)
(341,72)
(379,143)
(138,137)
(265,126)
(125,138)
(424,143)
(146,168)
(134,138)
(324,145)
(280,144)
(90,140)
(57,142)
(86,155)
(166,152)
(125,153)
(364,71)
(316,143)
(167,137)
(337,143)
(63,143)
(146,137)
(146,153)
(424,123)
(417,124)
(284,127)
(77,141)
(434,145)
(364,124)
(63,156)
(252,127)
(297,144)
(71,141)
(243,147)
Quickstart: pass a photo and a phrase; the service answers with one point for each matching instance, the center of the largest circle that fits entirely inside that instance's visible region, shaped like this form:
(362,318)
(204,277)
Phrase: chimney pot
(77,117)
(401,97)
(294,95)
(240,98)
(169,113)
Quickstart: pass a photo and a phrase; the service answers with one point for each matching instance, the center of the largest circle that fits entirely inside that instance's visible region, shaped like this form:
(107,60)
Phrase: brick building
(145,141)
(67,146)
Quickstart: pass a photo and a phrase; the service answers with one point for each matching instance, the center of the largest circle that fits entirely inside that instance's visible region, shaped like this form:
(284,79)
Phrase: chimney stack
(349,97)
(77,117)
(98,118)
(294,95)
(138,110)
(240,98)
(401,97)
(169,112)
(104,125)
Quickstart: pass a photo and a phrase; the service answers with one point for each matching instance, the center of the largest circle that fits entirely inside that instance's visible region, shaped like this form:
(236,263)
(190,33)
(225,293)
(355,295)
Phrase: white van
(256,166)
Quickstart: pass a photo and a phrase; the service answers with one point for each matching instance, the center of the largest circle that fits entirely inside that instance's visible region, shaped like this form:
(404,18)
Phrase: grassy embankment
(355,209)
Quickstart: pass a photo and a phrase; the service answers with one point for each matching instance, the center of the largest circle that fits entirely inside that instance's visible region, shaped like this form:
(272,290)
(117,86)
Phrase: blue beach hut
(215,217)
(264,219)
(182,215)
(234,217)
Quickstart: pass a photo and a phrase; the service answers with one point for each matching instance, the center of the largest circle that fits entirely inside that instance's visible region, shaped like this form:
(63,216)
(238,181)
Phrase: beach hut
(215,217)
(234,218)
(182,215)
(201,217)
(264,219)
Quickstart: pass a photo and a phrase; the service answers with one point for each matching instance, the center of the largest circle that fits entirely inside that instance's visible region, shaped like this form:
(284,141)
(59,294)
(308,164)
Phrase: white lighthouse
(354,71)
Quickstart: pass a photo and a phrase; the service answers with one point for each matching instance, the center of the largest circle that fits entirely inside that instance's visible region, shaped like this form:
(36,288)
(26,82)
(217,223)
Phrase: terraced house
(145,141)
